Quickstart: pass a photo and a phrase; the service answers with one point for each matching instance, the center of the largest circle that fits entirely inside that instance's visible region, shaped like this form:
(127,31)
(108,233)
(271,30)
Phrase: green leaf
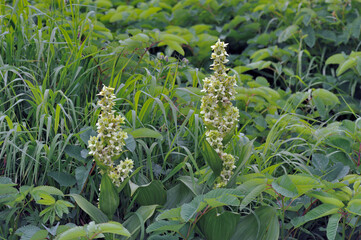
(189,210)
(113,227)
(259,65)
(130,143)
(169,214)
(146,13)
(8,194)
(141,37)
(96,214)
(287,33)
(304,183)
(163,226)
(131,44)
(45,199)
(284,186)
(328,35)
(26,232)
(350,63)
(86,133)
(358,65)
(64,179)
(73,233)
(336,172)
(229,135)
(354,206)
(252,195)
(174,45)
(217,226)
(42,234)
(146,133)
(191,184)
(326,198)
(340,142)
(212,158)
(328,98)
(318,212)
(262,224)
(81,174)
(178,195)
(151,194)
(137,220)
(320,161)
(172,37)
(222,201)
(6,182)
(75,152)
(336,59)
(333,225)
(48,189)
(108,197)
(311,38)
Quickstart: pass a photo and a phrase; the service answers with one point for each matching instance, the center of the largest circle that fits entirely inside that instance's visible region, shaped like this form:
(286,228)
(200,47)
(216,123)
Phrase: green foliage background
(297,65)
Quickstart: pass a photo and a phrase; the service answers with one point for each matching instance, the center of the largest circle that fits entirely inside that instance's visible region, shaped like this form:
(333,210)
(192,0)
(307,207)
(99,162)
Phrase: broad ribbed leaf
(212,158)
(217,226)
(108,197)
(262,224)
(136,222)
(152,193)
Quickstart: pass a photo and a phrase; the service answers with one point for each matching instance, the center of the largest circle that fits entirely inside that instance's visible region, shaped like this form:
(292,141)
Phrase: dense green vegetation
(296,144)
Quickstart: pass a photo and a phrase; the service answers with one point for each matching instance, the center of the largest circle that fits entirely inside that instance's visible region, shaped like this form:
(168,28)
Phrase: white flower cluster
(219,115)
(109,142)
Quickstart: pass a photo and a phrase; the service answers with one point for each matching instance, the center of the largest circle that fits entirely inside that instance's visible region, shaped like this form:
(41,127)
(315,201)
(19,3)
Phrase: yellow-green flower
(219,115)
(110,140)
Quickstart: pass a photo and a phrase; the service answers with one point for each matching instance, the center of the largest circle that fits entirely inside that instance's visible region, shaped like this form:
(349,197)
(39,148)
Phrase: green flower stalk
(219,115)
(109,143)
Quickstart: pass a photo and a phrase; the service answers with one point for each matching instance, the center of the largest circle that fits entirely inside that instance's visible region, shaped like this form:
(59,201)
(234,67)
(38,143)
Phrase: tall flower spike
(219,115)
(109,142)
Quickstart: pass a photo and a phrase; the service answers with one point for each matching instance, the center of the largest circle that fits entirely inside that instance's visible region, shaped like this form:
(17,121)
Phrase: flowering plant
(108,144)
(219,115)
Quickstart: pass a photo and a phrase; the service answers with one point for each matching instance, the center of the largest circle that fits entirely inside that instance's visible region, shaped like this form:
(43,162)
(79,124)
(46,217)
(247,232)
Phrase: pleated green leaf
(216,226)
(212,158)
(150,194)
(108,197)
